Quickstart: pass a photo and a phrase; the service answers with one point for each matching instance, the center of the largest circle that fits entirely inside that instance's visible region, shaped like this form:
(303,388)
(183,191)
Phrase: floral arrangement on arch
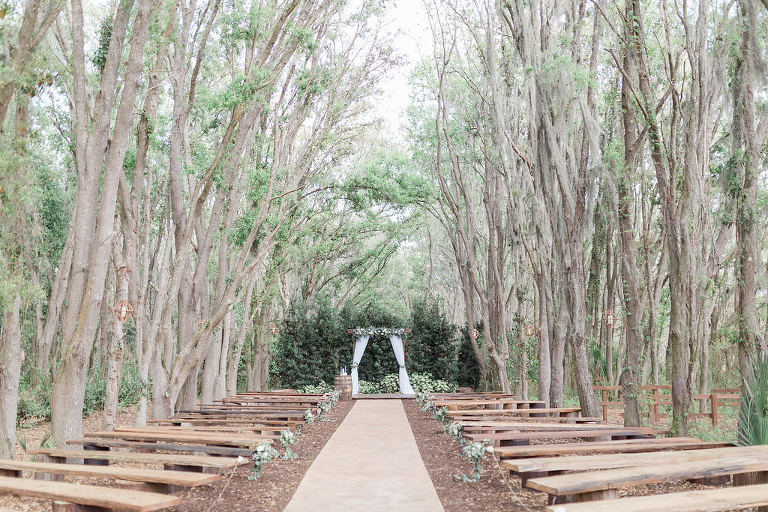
(379,331)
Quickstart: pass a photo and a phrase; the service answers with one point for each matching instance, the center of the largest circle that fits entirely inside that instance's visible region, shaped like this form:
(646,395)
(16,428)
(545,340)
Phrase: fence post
(654,407)
(713,400)
(605,405)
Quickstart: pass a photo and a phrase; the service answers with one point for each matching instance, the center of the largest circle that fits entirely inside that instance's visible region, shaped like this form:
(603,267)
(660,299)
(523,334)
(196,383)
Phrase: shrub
(321,387)
(753,419)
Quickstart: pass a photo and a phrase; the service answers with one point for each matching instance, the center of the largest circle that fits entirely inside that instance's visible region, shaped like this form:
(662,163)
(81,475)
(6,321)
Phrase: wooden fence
(716,398)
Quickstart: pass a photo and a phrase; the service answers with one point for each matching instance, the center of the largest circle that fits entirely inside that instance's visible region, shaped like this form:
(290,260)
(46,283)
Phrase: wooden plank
(248,441)
(622,446)
(708,500)
(621,460)
(539,427)
(142,458)
(514,412)
(191,430)
(565,434)
(582,483)
(227,451)
(180,478)
(105,497)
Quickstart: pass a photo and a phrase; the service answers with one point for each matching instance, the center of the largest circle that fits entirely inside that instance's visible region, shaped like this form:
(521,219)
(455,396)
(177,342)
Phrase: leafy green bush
(425,383)
(368,388)
(320,387)
(753,419)
(421,383)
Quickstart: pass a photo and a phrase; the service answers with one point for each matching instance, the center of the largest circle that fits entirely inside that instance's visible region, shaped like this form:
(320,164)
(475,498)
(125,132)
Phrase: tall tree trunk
(11,357)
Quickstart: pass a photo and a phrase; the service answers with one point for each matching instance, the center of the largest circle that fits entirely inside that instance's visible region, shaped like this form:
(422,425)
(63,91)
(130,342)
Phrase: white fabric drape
(397,347)
(362,342)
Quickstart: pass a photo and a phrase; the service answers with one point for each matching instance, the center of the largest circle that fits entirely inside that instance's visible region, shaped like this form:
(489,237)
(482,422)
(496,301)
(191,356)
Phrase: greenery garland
(379,331)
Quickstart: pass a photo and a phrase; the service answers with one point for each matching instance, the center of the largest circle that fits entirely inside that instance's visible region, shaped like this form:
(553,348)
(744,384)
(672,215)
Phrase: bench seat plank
(90,495)
(141,458)
(622,460)
(242,440)
(619,446)
(709,500)
(179,478)
(227,451)
(564,434)
(595,481)
(514,412)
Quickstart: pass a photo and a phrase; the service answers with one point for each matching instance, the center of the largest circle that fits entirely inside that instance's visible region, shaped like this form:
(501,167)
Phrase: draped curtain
(362,342)
(399,349)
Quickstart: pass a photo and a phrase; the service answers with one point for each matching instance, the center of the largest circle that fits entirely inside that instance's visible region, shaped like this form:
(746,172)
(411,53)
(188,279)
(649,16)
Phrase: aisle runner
(370,463)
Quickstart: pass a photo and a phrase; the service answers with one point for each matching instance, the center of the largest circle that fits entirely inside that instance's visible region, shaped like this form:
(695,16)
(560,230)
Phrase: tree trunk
(11,357)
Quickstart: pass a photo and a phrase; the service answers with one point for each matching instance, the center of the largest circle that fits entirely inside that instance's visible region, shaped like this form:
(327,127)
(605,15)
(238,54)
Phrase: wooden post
(714,405)
(605,405)
(654,407)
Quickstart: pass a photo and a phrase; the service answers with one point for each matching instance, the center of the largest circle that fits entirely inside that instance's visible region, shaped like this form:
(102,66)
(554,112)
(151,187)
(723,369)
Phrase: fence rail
(716,398)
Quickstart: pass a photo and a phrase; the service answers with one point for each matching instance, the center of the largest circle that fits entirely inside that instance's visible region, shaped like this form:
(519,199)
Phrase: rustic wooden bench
(538,427)
(599,485)
(709,500)
(211,420)
(140,446)
(193,463)
(241,440)
(556,411)
(511,438)
(502,403)
(596,447)
(89,498)
(152,480)
(544,466)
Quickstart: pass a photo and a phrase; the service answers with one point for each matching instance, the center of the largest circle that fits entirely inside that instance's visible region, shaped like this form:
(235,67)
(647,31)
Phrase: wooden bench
(599,485)
(510,437)
(140,446)
(153,480)
(194,463)
(89,498)
(241,440)
(538,427)
(556,411)
(544,466)
(623,446)
(709,500)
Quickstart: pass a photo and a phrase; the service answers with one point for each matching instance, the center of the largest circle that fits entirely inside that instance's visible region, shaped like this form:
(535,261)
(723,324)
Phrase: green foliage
(263,454)
(753,419)
(432,347)
(421,383)
(99,58)
(467,367)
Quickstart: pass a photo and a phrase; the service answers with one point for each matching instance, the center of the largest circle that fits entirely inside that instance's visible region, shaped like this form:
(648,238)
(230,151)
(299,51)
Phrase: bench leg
(760,477)
(149,487)
(208,470)
(95,448)
(524,477)
(49,477)
(62,506)
(605,494)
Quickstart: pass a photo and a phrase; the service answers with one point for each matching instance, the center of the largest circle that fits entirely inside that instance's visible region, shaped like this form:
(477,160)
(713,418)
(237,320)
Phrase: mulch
(279,478)
(443,460)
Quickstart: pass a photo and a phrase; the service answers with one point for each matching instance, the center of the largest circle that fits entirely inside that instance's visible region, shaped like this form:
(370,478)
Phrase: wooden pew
(140,446)
(240,440)
(600,485)
(152,480)
(623,446)
(511,437)
(194,463)
(89,498)
(543,466)
(709,500)
(557,411)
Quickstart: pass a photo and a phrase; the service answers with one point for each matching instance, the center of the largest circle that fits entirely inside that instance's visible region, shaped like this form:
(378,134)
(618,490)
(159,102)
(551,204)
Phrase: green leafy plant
(264,453)
(753,419)
(309,418)
(288,438)
(475,453)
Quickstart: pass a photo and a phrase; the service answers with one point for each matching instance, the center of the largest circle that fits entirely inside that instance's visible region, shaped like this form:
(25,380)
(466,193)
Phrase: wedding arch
(396,337)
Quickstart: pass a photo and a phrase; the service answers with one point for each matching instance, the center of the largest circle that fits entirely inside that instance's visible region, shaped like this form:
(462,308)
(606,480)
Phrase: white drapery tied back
(397,347)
